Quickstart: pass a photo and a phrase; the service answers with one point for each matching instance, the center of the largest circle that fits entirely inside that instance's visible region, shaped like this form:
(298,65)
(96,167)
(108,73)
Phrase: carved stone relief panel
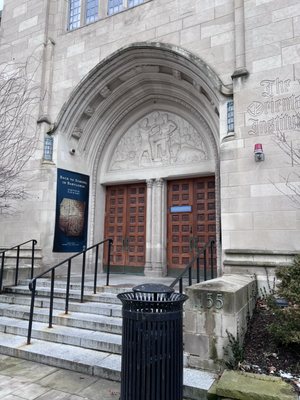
(159,139)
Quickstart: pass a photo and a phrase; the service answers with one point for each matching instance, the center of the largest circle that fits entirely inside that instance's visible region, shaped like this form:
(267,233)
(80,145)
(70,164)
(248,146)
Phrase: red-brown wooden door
(125,223)
(191,218)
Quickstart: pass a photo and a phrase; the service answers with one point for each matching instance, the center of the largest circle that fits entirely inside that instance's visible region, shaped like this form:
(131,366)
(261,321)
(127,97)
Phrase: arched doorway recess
(142,119)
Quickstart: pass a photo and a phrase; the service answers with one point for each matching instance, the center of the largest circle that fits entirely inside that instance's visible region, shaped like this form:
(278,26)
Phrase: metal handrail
(2,255)
(32,283)
(209,246)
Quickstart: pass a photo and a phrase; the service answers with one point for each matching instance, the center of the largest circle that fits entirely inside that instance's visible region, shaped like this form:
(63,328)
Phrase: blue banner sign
(181,209)
(71,223)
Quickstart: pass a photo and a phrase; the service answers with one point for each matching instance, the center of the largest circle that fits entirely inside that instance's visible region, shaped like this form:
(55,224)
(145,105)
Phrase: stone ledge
(255,263)
(260,252)
(238,385)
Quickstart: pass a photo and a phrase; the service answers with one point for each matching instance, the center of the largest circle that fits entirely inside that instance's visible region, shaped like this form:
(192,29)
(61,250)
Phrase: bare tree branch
(288,147)
(291,149)
(291,188)
(19,96)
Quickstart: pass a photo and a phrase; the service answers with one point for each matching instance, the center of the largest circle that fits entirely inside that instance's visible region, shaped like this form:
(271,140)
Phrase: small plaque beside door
(181,209)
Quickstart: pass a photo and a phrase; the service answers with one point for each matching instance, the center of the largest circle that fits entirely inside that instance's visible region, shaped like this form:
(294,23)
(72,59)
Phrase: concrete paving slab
(57,395)
(28,369)
(9,385)
(4,379)
(30,392)
(7,362)
(108,390)
(56,384)
(4,391)
(67,381)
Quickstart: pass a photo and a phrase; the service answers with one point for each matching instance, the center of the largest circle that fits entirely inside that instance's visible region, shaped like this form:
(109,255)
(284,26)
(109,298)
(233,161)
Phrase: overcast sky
(1,4)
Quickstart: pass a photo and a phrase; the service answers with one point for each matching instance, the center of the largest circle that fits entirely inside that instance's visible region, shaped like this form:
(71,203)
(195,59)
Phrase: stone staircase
(86,340)
(9,271)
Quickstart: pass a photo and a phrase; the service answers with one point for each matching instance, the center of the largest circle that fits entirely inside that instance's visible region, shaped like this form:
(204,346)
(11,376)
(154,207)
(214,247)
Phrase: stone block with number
(220,305)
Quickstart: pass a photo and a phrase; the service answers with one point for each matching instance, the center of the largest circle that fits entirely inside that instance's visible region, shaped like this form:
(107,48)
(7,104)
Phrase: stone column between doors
(155,231)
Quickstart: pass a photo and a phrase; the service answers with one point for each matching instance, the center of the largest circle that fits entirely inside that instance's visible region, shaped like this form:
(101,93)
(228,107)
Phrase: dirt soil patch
(263,355)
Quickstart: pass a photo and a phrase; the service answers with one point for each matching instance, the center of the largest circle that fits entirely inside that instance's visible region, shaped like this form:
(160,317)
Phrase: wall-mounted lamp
(258,152)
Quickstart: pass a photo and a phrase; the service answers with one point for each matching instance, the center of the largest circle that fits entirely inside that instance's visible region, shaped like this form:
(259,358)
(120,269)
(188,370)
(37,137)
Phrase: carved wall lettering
(278,114)
(158,139)
(278,111)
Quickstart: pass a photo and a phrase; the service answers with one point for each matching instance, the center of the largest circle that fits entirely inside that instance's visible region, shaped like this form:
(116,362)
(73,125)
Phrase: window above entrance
(82,12)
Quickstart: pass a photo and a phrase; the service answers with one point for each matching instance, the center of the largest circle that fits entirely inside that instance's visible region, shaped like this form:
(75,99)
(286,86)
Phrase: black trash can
(152,346)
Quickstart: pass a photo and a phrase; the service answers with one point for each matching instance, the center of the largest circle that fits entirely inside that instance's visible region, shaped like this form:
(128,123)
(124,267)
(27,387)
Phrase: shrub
(286,328)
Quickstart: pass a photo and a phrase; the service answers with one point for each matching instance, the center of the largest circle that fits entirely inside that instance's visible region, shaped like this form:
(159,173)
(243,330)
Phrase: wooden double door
(125,223)
(191,218)
(191,221)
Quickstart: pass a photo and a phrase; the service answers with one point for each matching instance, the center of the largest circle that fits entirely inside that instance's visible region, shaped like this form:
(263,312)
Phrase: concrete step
(94,340)
(90,307)
(73,319)
(61,284)
(89,285)
(24,272)
(106,297)
(92,362)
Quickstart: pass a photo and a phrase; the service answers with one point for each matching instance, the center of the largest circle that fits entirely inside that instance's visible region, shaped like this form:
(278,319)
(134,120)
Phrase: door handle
(125,243)
(191,243)
(196,240)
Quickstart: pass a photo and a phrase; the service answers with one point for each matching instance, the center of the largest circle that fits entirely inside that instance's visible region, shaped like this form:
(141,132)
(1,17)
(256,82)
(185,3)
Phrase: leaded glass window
(74,14)
(230,116)
(48,148)
(87,11)
(91,13)
(114,6)
(132,3)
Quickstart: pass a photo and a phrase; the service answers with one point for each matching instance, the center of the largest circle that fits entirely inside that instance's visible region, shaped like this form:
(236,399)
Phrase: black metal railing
(207,253)
(18,248)
(32,284)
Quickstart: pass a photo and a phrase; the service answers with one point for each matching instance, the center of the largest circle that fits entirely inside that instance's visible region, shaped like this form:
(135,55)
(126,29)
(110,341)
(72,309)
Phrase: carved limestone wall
(159,139)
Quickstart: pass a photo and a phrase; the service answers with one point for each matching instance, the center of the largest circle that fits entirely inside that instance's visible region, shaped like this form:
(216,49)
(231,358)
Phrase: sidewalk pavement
(21,379)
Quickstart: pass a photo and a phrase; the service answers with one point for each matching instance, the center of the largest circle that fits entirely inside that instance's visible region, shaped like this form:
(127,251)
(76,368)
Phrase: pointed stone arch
(131,84)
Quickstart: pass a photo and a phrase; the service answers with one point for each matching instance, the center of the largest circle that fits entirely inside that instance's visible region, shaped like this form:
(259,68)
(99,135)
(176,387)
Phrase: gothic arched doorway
(150,118)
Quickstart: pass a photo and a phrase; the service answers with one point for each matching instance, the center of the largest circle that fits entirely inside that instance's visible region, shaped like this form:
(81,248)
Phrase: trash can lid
(153,288)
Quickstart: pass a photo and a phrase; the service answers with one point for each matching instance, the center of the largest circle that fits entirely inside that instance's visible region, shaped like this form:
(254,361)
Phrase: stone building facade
(162,103)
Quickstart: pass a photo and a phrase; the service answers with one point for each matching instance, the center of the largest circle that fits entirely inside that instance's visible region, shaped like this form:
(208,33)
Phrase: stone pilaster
(156,247)
(148,264)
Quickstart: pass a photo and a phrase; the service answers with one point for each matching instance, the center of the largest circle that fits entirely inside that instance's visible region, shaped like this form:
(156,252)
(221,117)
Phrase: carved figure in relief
(168,129)
(146,156)
(158,139)
(190,150)
(160,135)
